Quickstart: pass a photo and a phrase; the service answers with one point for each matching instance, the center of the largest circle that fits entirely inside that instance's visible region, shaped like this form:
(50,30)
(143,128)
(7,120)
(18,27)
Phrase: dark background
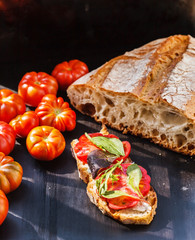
(51,202)
(38,34)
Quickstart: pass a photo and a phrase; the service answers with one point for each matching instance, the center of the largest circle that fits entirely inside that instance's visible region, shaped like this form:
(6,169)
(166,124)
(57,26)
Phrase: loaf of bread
(149,92)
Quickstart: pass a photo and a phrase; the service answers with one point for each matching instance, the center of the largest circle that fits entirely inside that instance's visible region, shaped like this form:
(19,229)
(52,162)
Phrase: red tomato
(68,72)
(7,138)
(10,173)
(123,202)
(11,104)
(22,124)
(45,143)
(4,206)
(85,146)
(34,86)
(53,111)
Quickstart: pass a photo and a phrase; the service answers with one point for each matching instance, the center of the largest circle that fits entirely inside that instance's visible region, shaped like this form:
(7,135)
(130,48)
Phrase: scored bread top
(160,71)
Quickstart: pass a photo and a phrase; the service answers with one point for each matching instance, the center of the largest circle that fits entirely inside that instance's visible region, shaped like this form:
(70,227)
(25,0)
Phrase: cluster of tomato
(41,127)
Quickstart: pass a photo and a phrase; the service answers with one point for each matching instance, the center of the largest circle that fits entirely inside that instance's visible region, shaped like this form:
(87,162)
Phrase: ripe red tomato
(68,72)
(4,206)
(10,173)
(45,143)
(7,138)
(11,104)
(34,86)
(53,111)
(85,146)
(22,124)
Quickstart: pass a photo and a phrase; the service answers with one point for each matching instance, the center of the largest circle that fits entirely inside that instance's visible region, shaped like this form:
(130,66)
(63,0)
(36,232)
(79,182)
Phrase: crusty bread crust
(83,169)
(126,216)
(149,92)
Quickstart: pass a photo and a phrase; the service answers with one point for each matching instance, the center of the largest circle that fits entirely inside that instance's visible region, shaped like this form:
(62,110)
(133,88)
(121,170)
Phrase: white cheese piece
(142,207)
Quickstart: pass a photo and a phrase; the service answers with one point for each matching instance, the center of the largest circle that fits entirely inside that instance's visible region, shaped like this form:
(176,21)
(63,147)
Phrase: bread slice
(126,216)
(140,214)
(149,92)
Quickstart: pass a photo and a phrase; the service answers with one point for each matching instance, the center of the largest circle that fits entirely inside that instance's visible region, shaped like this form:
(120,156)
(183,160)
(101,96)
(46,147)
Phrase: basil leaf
(134,177)
(118,193)
(112,145)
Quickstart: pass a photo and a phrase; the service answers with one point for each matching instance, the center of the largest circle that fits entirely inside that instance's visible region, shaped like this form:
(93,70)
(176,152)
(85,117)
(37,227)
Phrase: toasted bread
(141,214)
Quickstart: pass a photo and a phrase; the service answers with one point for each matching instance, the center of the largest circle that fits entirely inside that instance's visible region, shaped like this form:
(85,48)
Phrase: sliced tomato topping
(121,184)
(85,146)
(145,181)
(119,203)
(127,150)
(145,184)
(83,149)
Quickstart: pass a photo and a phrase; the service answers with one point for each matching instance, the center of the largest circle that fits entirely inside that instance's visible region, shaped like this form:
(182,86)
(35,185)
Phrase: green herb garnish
(116,193)
(111,145)
(102,183)
(134,177)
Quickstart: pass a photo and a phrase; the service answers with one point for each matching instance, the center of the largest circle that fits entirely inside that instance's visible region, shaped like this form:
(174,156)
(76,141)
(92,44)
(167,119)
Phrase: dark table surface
(51,203)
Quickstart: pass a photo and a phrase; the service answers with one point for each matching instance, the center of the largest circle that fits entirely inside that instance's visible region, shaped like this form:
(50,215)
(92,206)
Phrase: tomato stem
(57,111)
(37,82)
